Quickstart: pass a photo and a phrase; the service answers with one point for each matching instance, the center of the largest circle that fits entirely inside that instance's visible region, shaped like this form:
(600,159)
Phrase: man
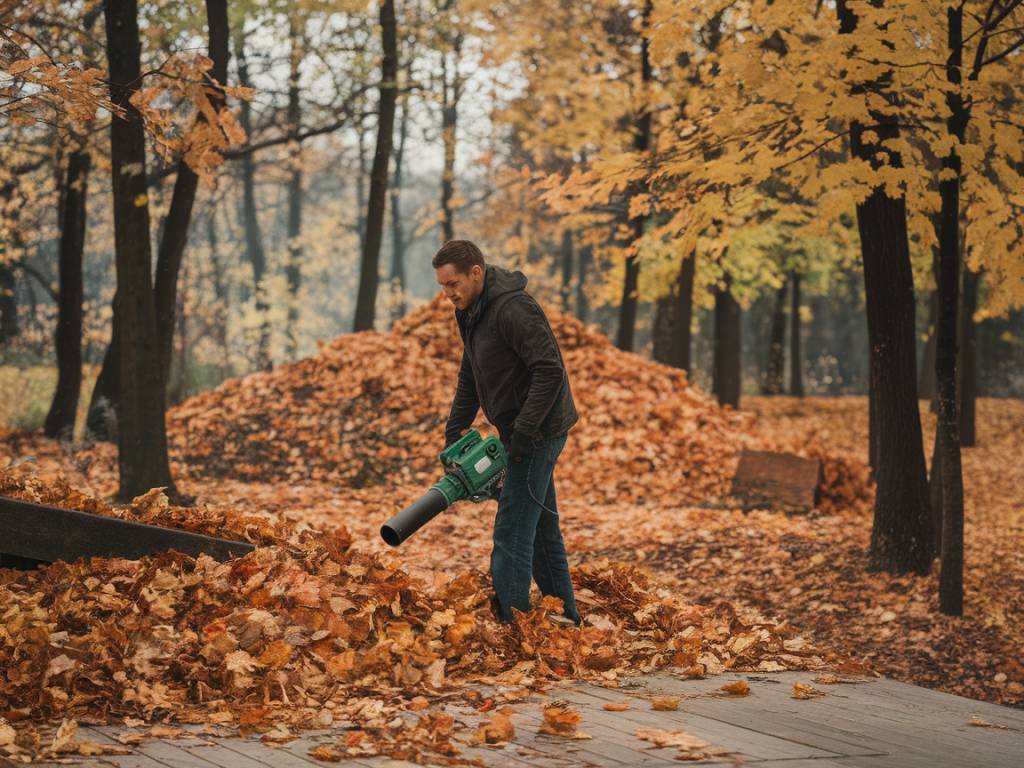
(512,367)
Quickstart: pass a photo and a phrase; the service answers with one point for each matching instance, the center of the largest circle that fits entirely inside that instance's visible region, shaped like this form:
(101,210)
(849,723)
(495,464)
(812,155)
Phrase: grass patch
(26,394)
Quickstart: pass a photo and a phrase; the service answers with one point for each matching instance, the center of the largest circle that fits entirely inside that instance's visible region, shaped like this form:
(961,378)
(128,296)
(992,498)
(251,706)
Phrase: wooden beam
(47,534)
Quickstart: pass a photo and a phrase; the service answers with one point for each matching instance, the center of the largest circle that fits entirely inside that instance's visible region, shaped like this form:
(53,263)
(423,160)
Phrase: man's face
(460,288)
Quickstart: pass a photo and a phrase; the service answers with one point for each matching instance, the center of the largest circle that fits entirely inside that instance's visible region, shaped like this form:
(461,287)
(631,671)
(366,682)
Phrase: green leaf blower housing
(474,467)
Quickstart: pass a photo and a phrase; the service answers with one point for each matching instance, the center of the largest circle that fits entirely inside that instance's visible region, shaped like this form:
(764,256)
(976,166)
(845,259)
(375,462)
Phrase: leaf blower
(474,468)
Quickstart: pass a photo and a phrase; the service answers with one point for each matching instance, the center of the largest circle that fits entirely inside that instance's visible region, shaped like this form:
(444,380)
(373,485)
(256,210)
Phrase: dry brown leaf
(665,703)
(736,689)
(805,691)
(559,720)
(498,729)
(690,747)
(616,706)
(326,753)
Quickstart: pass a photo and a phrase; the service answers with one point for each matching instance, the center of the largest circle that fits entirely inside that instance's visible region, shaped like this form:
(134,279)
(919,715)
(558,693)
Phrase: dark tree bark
(101,418)
(567,259)
(8,298)
(8,304)
(451,93)
(369,277)
(726,378)
(142,439)
(361,181)
(901,536)
(641,143)
(220,290)
(293,269)
(775,366)
(179,216)
(968,360)
(60,421)
(935,490)
(253,236)
(926,383)
(177,370)
(583,267)
(796,368)
(672,319)
(951,586)
(682,316)
(397,234)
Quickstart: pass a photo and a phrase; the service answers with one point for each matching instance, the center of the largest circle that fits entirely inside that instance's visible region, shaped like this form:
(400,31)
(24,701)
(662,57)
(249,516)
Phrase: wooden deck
(878,724)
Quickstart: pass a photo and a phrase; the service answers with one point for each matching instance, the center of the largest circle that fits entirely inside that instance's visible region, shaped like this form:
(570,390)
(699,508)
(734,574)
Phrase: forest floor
(323,623)
(807,571)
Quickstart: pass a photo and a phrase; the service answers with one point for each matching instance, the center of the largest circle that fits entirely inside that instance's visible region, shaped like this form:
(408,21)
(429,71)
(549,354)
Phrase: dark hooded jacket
(511,364)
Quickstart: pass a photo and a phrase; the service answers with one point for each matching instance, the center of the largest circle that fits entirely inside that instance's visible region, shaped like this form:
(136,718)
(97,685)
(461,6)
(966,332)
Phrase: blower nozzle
(474,467)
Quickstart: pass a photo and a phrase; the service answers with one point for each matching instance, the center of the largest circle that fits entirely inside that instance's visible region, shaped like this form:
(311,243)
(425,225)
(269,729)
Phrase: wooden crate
(781,481)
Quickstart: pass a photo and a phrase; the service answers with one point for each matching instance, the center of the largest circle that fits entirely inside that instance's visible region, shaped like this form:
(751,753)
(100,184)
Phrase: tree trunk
(682,315)
(8,298)
(926,384)
(901,536)
(796,372)
(361,179)
(253,235)
(935,490)
(60,421)
(8,304)
(726,379)
(101,418)
(582,267)
(641,143)
(397,235)
(567,254)
(177,371)
(293,269)
(776,363)
(179,217)
(220,291)
(968,360)
(142,439)
(951,576)
(451,92)
(369,277)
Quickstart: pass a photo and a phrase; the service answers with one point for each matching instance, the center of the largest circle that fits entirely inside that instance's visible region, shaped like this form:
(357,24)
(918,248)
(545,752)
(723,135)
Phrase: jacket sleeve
(525,328)
(464,406)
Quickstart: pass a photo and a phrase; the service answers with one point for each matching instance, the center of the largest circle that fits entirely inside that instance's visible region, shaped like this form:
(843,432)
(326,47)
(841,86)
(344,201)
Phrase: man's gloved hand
(519,445)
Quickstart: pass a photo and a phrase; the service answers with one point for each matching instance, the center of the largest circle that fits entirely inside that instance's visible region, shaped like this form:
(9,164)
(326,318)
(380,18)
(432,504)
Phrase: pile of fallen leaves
(309,630)
(369,409)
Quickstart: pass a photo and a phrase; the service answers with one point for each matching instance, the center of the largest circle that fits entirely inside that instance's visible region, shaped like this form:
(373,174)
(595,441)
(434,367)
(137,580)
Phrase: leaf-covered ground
(311,458)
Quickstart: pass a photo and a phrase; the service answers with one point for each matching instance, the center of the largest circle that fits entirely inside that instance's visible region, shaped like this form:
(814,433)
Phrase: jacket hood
(498,282)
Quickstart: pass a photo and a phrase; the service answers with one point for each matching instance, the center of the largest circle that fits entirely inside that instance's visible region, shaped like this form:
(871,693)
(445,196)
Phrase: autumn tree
(369,264)
(142,439)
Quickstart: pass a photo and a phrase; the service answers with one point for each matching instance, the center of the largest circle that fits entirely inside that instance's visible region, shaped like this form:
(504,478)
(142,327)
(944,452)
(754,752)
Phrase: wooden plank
(48,534)
(783,481)
(863,714)
(748,743)
(871,711)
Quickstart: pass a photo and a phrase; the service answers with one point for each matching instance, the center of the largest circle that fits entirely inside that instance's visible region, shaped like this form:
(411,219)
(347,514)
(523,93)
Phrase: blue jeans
(527,539)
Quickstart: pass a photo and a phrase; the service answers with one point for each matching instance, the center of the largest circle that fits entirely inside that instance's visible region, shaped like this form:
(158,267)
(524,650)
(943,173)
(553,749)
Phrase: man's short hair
(461,253)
